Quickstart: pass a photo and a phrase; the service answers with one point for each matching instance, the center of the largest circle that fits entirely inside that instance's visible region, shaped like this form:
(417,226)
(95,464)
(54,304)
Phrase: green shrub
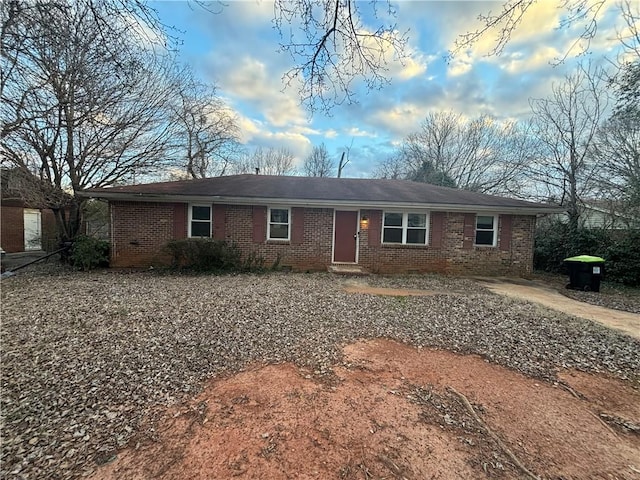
(208,255)
(554,242)
(623,258)
(88,253)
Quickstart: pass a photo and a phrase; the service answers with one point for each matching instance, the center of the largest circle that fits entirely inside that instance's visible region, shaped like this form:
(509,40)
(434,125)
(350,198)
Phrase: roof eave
(316,203)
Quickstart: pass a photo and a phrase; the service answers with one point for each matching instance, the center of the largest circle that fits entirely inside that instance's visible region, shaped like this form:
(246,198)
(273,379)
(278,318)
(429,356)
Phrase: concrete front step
(342,269)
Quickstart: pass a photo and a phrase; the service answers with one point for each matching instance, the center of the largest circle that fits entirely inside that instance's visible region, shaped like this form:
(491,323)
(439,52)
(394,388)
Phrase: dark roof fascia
(443,207)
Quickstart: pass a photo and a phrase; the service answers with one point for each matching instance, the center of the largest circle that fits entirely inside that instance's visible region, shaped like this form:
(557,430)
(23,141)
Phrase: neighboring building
(601,214)
(23,227)
(604,214)
(384,226)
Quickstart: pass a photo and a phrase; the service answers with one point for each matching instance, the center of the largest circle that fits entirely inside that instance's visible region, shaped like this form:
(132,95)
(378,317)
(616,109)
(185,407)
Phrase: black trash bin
(585,272)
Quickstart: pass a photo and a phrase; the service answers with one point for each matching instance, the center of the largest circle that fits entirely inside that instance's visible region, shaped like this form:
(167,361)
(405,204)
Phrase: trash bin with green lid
(585,272)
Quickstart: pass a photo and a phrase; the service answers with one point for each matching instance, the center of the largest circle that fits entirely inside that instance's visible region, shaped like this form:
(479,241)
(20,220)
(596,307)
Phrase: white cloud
(357,132)
(460,65)
(255,133)
(331,133)
(519,62)
(401,119)
(250,81)
(414,66)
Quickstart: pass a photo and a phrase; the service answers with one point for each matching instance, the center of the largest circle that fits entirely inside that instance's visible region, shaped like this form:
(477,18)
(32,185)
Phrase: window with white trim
(279,224)
(486,230)
(405,228)
(200,220)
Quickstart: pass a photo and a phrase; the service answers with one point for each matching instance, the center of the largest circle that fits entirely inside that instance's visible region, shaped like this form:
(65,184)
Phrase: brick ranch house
(383,226)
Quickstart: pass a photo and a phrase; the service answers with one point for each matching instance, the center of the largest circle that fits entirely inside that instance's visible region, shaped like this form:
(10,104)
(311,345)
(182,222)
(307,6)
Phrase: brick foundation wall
(140,230)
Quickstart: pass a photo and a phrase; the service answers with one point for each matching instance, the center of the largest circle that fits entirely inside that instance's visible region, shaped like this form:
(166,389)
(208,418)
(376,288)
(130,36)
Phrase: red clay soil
(389,412)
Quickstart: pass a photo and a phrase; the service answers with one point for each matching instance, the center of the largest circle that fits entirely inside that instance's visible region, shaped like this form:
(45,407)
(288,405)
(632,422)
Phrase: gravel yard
(87,356)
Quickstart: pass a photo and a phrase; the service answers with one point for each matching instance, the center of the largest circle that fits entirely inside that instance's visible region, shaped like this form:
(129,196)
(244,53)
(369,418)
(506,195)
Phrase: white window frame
(494,241)
(269,223)
(405,227)
(210,221)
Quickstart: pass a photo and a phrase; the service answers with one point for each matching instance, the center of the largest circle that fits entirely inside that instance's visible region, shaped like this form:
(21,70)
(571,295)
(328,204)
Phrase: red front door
(346,237)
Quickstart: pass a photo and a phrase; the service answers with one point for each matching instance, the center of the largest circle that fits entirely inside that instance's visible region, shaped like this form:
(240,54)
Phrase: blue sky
(237,50)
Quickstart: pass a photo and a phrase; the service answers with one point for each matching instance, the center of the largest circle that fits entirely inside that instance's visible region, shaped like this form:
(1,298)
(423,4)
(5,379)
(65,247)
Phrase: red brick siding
(469,229)
(453,256)
(139,232)
(314,253)
(12,229)
(375,227)
(149,225)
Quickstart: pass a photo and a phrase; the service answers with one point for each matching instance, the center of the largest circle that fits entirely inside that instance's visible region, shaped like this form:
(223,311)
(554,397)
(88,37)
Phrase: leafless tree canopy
(566,125)
(480,155)
(318,163)
(617,152)
(581,15)
(626,83)
(393,167)
(269,161)
(86,100)
(331,47)
(206,131)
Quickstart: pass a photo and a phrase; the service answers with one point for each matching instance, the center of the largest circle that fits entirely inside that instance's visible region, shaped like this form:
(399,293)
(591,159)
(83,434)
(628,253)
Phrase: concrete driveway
(626,322)
(11,261)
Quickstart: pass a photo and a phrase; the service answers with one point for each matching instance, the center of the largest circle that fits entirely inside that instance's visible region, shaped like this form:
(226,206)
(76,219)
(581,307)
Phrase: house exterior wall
(451,257)
(140,230)
(12,229)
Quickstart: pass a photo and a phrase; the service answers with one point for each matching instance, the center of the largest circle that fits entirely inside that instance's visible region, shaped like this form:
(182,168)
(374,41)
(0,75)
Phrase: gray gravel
(616,298)
(85,356)
(611,295)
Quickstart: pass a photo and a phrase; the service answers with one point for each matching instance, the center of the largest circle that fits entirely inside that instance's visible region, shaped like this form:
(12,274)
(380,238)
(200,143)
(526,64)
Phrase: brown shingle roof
(314,189)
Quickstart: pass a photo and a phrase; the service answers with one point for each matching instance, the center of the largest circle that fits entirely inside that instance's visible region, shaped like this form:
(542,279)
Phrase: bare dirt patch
(391,411)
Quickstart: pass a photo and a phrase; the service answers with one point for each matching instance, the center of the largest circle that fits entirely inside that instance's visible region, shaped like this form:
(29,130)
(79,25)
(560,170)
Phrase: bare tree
(87,107)
(206,132)
(394,167)
(345,159)
(581,16)
(331,46)
(617,152)
(267,162)
(566,125)
(480,155)
(318,163)
(626,82)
